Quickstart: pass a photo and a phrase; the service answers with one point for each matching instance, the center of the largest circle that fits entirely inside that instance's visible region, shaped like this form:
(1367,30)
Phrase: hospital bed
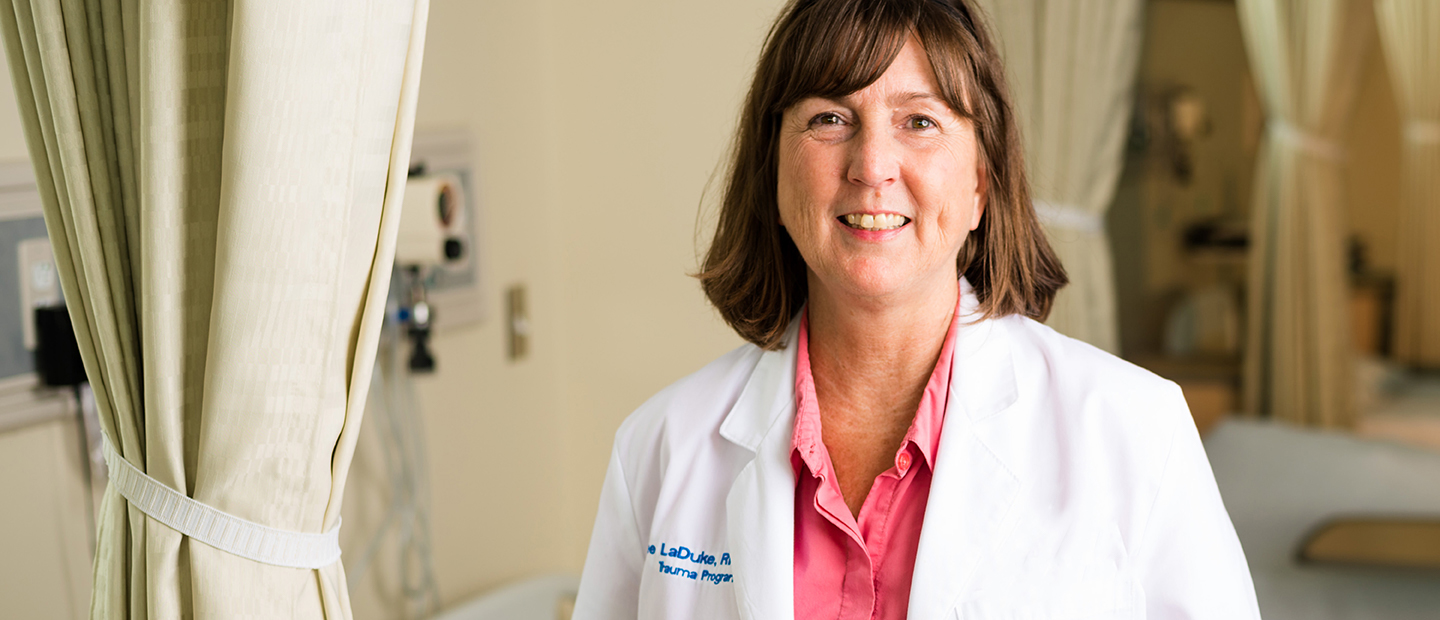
(1280,483)
(551,597)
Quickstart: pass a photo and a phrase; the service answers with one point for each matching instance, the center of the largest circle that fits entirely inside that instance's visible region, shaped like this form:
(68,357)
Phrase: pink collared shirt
(849,569)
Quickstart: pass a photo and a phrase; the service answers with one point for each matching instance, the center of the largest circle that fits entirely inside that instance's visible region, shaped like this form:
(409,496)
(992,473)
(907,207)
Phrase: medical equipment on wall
(432,233)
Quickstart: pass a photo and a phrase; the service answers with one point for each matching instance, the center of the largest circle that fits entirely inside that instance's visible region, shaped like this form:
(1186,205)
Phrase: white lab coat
(1068,484)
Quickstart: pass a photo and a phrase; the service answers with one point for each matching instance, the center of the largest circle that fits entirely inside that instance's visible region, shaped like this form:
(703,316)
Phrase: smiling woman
(901,437)
(949,93)
(879,189)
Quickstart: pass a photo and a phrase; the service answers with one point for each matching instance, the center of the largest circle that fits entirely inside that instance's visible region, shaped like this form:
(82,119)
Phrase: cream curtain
(1410,36)
(1306,56)
(221,183)
(1072,67)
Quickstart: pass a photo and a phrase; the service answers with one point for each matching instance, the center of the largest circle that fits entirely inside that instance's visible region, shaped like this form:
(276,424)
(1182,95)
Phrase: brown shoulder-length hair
(830,48)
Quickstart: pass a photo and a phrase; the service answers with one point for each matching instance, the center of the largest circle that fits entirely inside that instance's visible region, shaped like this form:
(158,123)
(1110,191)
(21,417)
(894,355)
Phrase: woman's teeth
(883,221)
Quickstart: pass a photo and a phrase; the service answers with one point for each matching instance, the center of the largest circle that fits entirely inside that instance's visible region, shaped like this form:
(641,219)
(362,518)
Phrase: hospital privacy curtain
(1410,36)
(1306,57)
(221,183)
(1072,69)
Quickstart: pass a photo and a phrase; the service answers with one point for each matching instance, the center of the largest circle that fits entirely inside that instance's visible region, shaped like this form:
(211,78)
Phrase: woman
(901,437)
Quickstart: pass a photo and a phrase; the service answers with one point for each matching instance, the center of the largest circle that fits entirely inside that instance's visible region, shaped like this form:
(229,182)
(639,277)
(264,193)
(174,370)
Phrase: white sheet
(1279,481)
(533,599)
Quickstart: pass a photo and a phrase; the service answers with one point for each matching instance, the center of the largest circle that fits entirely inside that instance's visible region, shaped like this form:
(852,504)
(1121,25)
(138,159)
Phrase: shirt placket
(857,590)
(867,537)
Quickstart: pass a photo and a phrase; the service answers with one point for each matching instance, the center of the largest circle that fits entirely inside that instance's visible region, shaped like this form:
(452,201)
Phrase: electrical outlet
(39,284)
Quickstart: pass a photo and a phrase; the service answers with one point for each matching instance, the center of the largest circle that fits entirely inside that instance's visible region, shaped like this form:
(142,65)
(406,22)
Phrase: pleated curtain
(1306,56)
(221,182)
(1410,36)
(1072,70)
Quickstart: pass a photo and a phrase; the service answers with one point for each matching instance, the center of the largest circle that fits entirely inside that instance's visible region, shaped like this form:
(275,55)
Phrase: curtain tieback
(1070,217)
(1423,132)
(1311,143)
(219,529)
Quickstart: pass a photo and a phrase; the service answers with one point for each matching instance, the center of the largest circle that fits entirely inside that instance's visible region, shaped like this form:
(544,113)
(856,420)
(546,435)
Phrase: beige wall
(597,125)
(1372,173)
(42,522)
(657,85)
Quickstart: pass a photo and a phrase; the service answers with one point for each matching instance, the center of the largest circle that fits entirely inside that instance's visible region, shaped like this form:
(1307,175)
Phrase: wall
(43,521)
(1372,171)
(597,126)
(658,85)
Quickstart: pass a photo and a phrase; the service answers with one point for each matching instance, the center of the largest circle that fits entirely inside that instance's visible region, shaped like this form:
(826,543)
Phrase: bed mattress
(1279,482)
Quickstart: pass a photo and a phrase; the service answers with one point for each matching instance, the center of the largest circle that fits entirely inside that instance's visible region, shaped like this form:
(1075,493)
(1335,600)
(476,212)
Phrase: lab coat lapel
(761,502)
(973,491)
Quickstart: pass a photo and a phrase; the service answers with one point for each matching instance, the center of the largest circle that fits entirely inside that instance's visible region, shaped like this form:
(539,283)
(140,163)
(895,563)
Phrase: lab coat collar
(760,505)
(769,393)
(974,487)
(971,492)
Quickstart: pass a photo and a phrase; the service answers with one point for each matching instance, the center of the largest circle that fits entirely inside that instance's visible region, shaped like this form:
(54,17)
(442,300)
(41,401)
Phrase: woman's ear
(981,197)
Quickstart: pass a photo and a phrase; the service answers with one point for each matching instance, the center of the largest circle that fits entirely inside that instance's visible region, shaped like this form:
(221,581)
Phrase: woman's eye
(827,118)
(920,122)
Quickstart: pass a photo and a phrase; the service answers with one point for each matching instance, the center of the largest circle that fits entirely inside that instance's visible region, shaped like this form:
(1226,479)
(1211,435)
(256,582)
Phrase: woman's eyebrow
(896,99)
(913,96)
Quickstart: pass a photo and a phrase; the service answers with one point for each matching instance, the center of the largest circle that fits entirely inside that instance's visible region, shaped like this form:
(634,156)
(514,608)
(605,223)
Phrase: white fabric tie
(1423,132)
(1306,141)
(219,529)
(1070,217)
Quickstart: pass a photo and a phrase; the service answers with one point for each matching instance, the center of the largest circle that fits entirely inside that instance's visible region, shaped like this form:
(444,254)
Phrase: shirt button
(903,462)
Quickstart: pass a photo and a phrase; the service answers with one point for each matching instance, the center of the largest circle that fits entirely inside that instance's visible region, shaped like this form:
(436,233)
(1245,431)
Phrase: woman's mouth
(882,221)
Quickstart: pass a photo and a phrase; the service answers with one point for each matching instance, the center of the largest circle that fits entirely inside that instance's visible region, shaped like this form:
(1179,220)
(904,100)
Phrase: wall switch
(39,284)
(517,322)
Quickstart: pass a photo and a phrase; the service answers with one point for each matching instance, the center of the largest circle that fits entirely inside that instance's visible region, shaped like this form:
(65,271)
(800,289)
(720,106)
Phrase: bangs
(834,51)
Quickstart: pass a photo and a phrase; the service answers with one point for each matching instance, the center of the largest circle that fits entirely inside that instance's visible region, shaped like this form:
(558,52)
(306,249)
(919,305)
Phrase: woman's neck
(871,362)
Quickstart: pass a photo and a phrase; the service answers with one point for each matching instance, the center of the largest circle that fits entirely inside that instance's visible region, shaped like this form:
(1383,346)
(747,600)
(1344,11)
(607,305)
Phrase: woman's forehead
(908,79)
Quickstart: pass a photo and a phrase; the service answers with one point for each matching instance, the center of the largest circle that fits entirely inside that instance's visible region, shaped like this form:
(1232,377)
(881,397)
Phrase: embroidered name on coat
(681,559)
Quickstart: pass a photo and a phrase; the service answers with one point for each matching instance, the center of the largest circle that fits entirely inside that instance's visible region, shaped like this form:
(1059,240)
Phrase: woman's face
(879,188)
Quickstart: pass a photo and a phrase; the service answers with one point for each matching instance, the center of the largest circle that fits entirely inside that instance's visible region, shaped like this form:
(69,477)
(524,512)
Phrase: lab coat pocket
(1115,598)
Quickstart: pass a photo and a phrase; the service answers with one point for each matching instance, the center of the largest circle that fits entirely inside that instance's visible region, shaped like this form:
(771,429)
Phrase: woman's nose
(874,158)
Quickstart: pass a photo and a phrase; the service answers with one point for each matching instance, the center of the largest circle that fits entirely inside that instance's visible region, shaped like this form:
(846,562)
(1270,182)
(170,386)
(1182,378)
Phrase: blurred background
(1252,235)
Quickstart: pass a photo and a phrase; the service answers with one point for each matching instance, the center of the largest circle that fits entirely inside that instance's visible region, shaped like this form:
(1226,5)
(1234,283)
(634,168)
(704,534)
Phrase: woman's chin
(883,281)
(872,284)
